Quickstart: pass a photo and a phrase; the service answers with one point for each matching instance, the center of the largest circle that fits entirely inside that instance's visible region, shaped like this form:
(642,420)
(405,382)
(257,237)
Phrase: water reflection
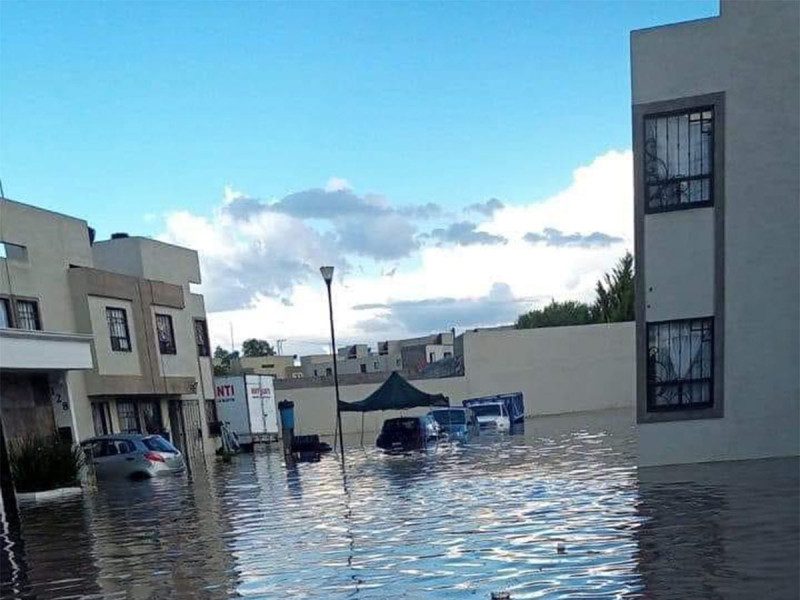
(458,521)
(720,530)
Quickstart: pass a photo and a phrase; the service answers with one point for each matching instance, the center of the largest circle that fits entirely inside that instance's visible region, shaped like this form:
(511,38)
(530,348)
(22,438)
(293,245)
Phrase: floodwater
(557,512)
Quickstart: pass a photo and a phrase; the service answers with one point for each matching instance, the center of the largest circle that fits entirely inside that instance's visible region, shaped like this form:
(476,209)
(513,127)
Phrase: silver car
(133,456)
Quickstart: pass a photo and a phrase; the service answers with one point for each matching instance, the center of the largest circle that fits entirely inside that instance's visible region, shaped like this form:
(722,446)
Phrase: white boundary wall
(558,369)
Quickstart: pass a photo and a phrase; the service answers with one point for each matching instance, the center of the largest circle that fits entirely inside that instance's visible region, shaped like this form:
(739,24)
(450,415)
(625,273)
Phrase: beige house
(128,300)
(716,142)
(279,367)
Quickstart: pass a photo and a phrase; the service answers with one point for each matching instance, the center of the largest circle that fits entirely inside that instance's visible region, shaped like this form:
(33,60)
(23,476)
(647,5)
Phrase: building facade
(412,354)
(129,300)
(279,367)
(717,227)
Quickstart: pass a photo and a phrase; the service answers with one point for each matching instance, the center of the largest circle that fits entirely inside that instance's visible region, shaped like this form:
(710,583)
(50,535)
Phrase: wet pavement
(557,512)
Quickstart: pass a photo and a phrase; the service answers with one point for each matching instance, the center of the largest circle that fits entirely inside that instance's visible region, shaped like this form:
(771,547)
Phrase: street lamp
(327,275)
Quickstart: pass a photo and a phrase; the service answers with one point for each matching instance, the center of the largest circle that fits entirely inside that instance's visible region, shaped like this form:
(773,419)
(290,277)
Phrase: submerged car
(408,433)
(456,423)
(133,456)
(492,416)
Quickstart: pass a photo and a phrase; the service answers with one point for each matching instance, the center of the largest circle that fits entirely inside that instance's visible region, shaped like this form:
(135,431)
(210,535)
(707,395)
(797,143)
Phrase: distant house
(716,179)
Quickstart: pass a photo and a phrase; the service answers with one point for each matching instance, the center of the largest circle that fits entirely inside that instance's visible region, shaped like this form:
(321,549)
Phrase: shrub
(41,463)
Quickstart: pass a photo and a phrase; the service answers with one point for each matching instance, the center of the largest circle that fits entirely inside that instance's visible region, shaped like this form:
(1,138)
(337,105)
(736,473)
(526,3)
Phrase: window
(118,329)
(201,338)
(28,315)
(328,371)
(363,368)
(151,416)
(431,357)
(101,415)
(448,354)
(5,314)
(315,373)
(166,335)
(128,416)
(375,365)
(679,160)
(680,364)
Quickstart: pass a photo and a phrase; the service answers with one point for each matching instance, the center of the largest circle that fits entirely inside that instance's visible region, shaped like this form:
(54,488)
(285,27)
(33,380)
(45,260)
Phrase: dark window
(166,335)
(201,338)
(448,354)
(118,329)
(151,416)
(101,415)
(328,371)
(128,417)
(28,315)
(5,314)
(680,364)
(431,357)
(363,368)
(679,160)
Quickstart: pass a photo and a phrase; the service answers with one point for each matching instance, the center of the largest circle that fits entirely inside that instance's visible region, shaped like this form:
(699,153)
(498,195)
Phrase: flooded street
(559,511)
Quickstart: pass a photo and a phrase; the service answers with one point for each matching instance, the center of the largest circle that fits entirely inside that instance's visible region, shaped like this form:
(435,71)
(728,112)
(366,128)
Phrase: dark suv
(408,433)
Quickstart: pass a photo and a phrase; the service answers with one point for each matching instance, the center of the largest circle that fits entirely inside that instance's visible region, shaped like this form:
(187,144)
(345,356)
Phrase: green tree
(256,347)
(556,314)
(615,294)
(224,361)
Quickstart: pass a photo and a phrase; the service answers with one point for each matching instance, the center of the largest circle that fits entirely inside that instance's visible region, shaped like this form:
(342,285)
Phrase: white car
(492,416)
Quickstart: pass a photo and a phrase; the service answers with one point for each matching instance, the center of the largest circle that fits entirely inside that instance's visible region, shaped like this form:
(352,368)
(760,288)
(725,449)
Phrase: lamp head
(327,274)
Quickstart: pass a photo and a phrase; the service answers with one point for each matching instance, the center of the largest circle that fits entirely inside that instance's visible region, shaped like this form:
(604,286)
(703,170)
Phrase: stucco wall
(559,370)
(110,362)
(750,54)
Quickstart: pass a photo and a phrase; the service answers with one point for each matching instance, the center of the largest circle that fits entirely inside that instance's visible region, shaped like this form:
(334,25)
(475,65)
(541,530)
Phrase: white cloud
(271,260)
(337,184)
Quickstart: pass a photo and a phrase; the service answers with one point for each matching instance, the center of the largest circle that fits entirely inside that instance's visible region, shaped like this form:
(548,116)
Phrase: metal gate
(187,430)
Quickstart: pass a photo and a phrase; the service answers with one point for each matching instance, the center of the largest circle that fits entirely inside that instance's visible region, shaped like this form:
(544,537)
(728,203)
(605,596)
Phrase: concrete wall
(749,54)
(559,370)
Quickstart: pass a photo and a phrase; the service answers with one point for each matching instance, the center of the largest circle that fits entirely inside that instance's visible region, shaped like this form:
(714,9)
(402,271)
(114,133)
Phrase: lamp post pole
(327,275)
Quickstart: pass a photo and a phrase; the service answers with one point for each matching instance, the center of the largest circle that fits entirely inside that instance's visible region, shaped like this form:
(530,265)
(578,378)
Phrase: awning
(22,349)
(395,394)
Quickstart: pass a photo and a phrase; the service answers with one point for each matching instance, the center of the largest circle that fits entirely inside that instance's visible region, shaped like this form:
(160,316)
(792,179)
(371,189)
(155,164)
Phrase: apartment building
(412,354)
(277,366)
(129,301)
(717,181)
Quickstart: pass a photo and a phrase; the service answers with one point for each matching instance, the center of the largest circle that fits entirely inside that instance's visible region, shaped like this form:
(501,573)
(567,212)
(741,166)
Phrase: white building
(125,304)
(717,181)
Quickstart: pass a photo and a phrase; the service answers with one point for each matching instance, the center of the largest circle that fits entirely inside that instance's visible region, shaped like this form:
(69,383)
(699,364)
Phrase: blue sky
(274,138)
(159,105)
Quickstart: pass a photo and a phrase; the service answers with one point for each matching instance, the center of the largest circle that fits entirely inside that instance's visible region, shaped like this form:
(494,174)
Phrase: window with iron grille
(128,417)
(679,160)
(28,315)
(201,338)
(166,335)
(118,329)
(680,364)
(5,314)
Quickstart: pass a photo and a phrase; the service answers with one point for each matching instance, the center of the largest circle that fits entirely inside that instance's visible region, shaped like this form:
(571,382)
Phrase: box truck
(246,404)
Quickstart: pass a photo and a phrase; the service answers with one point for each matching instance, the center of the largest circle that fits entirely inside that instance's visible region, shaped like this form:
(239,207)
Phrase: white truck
(246,404)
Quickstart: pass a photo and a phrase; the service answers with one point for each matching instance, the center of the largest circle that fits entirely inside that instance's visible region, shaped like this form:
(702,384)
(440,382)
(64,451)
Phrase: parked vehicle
(408,433)
(246,404)
(492,416)
(133,456)
(498,412)
(456,423)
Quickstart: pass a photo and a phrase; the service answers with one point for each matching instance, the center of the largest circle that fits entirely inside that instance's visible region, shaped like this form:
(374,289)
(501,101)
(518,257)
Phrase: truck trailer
(246,404)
